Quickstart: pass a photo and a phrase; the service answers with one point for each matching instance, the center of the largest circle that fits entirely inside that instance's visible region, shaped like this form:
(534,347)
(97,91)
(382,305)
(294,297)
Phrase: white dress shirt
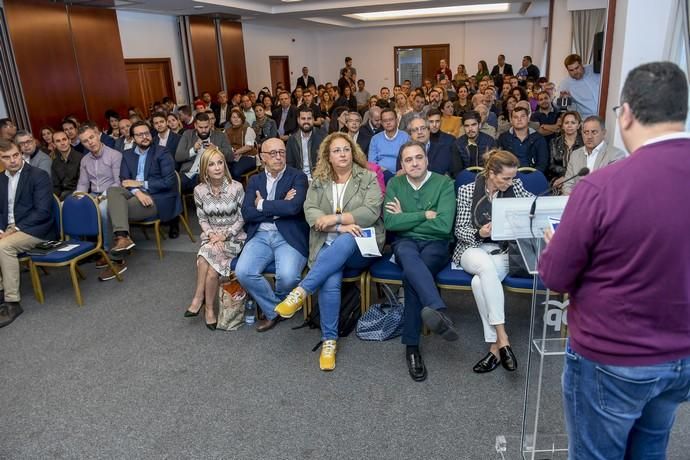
(13,181)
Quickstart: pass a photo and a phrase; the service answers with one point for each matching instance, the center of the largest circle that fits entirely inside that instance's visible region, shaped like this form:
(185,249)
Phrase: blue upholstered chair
(533,180)
(80,219)
(466,176)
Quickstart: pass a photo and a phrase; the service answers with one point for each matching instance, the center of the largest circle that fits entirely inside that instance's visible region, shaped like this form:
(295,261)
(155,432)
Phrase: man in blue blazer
(26,219)
(149,189)
(163,135)
(277,231)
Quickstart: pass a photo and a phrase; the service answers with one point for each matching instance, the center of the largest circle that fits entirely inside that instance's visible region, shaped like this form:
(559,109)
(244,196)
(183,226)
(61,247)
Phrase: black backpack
(350,312)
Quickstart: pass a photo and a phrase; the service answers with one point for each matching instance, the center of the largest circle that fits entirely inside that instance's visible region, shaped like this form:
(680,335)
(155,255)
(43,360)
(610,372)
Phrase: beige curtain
(586,23)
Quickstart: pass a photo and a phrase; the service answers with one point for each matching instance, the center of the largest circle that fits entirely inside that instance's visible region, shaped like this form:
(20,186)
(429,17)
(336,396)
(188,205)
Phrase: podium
(543,433)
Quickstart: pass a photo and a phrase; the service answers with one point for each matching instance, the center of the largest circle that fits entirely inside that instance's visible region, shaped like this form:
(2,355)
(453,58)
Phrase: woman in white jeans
(485,259)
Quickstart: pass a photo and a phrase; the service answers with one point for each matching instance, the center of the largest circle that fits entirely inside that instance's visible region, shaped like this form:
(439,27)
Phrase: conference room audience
(563,145)
(483,258)
(46,142)
(303,146)
(32,154)
(148,189)
(277,233)
(99,170)
(343,199)
(471,147)
(242,140)
(218,200)
(419,208)
(65,167)
(526,144)
(595,154)
(26,219)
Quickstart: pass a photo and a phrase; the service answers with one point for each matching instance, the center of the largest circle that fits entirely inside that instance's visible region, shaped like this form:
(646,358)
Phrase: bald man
(277,232)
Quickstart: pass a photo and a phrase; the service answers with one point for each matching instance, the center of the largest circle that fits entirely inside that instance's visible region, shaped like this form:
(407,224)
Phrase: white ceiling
(320,13)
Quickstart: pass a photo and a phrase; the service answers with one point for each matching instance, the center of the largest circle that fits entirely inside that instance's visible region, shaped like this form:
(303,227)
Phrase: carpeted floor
(126,376)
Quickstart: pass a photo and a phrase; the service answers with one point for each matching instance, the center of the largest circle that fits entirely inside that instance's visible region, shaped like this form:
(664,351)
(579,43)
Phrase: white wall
(372,49)
(146,35)
(632,48)
(561,41)
(260,42)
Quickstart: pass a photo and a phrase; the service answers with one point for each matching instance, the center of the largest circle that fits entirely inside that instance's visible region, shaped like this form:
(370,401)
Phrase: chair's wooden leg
(75,282)
(36,283)
(157,229)
(184,208)
(362,293)
(185,224)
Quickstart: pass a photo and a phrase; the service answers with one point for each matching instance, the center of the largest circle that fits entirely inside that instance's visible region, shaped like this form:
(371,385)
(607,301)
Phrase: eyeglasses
(27,142)
(616,110)
(339,150)
(274,153)
(140,135)
(418,129)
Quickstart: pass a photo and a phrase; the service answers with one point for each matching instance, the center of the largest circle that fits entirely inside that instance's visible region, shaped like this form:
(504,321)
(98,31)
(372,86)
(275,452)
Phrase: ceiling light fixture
(431,12)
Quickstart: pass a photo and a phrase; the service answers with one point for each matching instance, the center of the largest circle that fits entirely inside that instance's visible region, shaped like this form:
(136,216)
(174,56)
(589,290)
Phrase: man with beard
(440,152)
(421,246)
(303,146)
(149,189)
(193,144)
(372,122)
(164,135)
(65,167)
(308,97)
(469,149)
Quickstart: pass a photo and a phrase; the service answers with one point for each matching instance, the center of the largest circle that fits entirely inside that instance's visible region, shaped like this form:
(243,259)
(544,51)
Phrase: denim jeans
(326,276)
(420,262)
(257,254)
(621,412)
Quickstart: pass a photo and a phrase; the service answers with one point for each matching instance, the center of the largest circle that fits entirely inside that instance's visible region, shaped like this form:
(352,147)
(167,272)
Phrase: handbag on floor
(231,299)
(382,321)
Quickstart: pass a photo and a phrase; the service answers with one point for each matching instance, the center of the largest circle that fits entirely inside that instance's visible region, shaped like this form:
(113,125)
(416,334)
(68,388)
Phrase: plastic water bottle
(249,312)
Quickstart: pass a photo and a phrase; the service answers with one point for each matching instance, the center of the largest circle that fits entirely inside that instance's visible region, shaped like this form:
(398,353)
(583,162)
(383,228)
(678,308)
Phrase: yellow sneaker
(327,358)
(291,305)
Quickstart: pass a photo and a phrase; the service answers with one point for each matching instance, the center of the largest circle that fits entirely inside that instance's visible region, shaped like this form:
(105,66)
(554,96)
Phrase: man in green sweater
(420,209)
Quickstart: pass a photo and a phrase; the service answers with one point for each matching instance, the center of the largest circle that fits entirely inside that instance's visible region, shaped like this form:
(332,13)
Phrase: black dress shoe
(439,323)
(174,231)
(212,326)
(264,325)
(416,367)
(487,364)
(9,311)
(190,314)
(508,359)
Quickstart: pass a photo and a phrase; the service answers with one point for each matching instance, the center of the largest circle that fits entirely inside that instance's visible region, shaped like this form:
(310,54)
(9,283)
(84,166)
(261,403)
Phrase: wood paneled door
(418,62)
(280,71)
(149,80)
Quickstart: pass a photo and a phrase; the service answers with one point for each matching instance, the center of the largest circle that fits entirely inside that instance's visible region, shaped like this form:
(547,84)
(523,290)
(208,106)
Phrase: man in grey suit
(31,153)
(192,145)
(595,154)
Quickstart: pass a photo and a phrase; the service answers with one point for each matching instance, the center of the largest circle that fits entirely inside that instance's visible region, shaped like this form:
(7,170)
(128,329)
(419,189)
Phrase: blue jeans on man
(326,276)
(420,261)
(258,253)
(617,412)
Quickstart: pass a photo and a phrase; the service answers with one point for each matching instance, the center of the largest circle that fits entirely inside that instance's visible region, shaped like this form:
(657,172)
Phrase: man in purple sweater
(622,252)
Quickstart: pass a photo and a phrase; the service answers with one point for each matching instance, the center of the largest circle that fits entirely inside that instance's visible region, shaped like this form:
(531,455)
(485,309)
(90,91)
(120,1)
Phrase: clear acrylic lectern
(543,435)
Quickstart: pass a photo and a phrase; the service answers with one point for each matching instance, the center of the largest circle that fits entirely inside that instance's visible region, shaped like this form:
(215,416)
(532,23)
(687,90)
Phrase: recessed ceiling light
(429,12)
(198,7)
(291,1)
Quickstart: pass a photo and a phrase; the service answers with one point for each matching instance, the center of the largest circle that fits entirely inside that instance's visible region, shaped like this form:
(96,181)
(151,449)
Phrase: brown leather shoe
(108,274)
(264,325)
(101,263)
(122,245)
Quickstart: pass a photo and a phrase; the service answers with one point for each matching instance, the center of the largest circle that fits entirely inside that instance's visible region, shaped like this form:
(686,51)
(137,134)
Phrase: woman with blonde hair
(343,198)
(218,201)
(484,258)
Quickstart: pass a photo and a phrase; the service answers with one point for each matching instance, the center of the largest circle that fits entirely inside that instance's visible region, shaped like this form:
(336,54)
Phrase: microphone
(533,209)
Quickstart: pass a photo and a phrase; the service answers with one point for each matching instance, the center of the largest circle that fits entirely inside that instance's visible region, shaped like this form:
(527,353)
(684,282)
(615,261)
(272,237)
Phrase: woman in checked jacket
(487,260)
